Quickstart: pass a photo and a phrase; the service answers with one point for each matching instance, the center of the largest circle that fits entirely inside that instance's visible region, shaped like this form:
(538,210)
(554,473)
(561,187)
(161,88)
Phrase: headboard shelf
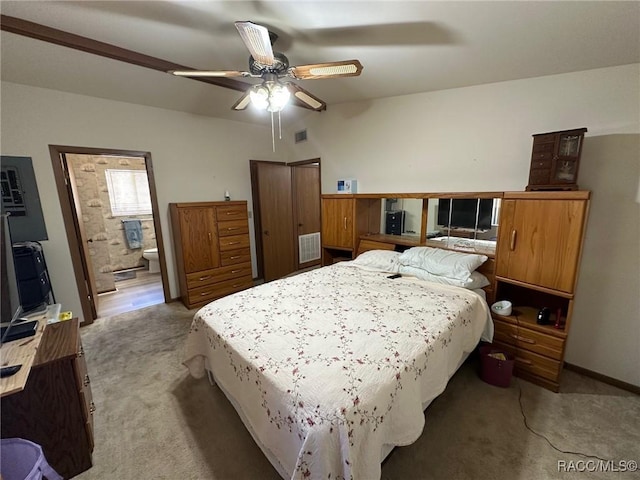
(452,243)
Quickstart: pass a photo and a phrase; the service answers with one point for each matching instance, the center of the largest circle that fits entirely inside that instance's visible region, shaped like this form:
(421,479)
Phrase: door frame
(257,218)
(71,218)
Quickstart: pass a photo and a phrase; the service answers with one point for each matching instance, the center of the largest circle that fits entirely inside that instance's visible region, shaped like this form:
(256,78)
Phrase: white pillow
(443,263)
(475,280)
(383,260)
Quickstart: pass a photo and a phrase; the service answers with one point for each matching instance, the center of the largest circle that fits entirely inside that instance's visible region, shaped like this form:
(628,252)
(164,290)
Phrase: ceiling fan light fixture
(270,95)
(259,95)
(278,97)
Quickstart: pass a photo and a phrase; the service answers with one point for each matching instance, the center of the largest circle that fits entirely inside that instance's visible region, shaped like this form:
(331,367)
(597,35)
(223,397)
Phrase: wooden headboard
(395,242)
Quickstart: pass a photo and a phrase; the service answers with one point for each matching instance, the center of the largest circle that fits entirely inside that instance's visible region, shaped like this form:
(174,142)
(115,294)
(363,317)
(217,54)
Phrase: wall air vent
(309,247)
(301,136)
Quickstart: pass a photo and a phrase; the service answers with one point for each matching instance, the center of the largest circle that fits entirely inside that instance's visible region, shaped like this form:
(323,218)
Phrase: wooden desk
(19,352)
(54,408)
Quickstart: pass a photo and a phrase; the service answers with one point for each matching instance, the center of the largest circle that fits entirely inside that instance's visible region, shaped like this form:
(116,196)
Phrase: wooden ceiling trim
(89,45)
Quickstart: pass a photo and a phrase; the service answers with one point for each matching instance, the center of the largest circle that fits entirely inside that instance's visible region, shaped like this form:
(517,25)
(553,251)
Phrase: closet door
(276,210)
(306,194)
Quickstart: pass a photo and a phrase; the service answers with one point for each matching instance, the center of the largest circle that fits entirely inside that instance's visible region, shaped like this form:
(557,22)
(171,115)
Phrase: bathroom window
(128,192)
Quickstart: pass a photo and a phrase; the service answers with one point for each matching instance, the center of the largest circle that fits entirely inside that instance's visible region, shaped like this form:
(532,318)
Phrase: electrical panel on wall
(20,199)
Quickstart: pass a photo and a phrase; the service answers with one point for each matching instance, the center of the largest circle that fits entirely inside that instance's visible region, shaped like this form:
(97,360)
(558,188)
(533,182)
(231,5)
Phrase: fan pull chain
(273,134)
(279,126)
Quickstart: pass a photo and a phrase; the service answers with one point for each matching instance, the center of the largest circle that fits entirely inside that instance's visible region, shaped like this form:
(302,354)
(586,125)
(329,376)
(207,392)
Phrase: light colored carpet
(153,421)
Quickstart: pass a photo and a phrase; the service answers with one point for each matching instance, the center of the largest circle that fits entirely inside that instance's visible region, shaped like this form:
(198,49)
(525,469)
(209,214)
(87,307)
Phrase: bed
(332,368)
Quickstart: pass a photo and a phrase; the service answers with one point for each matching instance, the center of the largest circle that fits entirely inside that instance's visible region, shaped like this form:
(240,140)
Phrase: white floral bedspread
(328,366)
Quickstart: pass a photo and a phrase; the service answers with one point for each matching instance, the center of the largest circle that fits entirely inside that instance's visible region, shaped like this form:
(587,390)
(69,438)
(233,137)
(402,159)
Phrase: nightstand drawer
(233,242)
(532,363)
(528,339)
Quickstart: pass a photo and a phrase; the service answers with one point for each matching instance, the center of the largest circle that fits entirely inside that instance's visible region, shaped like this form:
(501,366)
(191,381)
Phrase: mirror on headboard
(464,222)
(401,216)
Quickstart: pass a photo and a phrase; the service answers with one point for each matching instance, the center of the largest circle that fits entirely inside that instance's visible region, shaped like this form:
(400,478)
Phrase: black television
(464,211)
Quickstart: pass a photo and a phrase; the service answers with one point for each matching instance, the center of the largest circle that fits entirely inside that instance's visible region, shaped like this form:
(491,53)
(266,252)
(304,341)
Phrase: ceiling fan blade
(243,102)
(347,68)
(209,73)
(256,38)
(306,99)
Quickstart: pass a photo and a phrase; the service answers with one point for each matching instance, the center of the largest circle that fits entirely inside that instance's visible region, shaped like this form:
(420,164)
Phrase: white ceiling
(405,46)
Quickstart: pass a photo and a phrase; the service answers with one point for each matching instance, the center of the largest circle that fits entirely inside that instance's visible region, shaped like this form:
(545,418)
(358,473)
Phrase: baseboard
(604,378)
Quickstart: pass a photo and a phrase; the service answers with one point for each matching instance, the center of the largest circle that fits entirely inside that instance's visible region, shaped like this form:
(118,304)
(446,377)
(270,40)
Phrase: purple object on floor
(23,460)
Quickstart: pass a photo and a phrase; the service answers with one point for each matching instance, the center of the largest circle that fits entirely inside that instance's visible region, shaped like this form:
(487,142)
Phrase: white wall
(479,139)
(194,158)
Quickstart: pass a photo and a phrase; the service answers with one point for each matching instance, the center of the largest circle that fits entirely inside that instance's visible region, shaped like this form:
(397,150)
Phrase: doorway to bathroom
(113,228)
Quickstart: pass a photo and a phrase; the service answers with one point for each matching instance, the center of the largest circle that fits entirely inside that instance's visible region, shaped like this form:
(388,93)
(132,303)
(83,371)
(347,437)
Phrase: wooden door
(337,222)
(85,242)
(306,203)
(540,242)
(199,238)
(276,219)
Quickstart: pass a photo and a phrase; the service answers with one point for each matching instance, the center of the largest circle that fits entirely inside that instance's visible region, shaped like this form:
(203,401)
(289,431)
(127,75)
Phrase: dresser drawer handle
(234,257)
(233,228)
(206,277)
(204,294)
(92,408)
(232,243)
(236,271)
(87,380)
(233,213)
(236,285)
(80,352)
(523,339)
(524,360)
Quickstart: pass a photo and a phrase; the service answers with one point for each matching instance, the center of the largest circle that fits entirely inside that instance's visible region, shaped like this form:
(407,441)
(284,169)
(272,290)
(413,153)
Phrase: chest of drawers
(212,246)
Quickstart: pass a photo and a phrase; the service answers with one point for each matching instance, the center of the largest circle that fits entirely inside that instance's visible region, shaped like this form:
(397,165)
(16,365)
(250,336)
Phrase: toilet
(151,255)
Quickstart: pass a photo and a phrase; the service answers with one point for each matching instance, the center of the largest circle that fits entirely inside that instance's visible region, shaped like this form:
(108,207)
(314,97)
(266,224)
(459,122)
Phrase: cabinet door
(539,242)
(199,238)
(337,222)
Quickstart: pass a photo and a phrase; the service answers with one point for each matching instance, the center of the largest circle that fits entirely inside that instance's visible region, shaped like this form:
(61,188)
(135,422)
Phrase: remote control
(8,371)
(397,275)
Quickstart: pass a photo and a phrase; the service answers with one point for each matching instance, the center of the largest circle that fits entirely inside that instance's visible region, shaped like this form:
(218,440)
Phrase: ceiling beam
(95,47)
(89,45)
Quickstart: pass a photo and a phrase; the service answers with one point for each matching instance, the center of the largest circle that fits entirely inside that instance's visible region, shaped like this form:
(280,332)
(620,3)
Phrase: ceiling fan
(272,94)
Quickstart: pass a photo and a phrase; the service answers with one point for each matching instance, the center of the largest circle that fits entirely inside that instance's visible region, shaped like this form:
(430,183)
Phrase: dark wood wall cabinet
(555,160)
(55,409)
